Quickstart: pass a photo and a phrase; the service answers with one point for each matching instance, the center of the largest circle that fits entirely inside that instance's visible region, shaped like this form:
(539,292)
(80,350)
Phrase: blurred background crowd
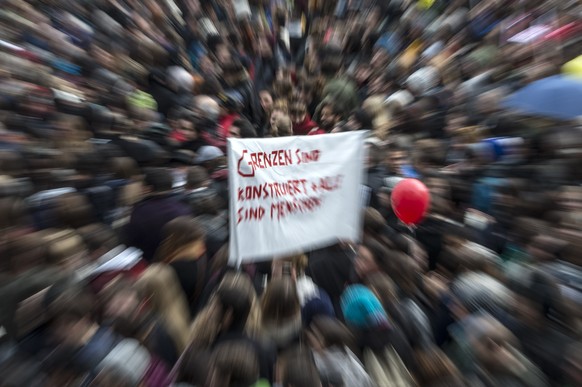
(114,116)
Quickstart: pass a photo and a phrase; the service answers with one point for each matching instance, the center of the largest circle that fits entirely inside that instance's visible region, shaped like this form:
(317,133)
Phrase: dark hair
(379,253)
(363,118)
(194,367)
(375,152)
(298,369)
(246,128)
(179,114)
(159,179)
(178,233)
(124,167)
(73,210)
(335,109)
(333,332)
(211,86)
(98,236)
(233,67)
(280,301)
(236,363)
(196,176)
(67,300)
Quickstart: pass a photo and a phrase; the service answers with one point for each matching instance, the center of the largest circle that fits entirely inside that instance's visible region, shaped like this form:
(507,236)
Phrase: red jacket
(316,131)
(304,127)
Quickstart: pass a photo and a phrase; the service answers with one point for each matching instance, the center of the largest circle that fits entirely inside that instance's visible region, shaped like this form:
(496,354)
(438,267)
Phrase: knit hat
(318,306)
(207,153)
(362,309)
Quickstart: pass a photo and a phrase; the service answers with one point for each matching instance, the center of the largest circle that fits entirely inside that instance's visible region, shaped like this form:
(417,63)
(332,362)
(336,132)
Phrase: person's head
(329,116)
(283,88)
(283,126)
(223,53)
(435,366)
(280,303)
(264,48)
(396,159)
(121,303)
(195,368)
(197,177)
(374,155)
(158,180)
(235,364)
(371,257)
(23,253)
(206,111)
(232,307)
(209,157)
(491,343)
(266,100)
(99,239)
(307,90)
(182,122)
(536,294)
(296,368)
(383,287)
(360,119)
(328,332)
(12,212)
(73,210)
(70,307)
(275,114)
(183,239)
(573,363)
(124,168)
(65,248)
(362,310)
(232,72)
(242,128)
(298,112)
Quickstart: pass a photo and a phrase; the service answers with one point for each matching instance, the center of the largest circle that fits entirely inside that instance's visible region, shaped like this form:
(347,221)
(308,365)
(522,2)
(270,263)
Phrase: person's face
(379,59)
(396,160)
(234,131)
(223,54)
(328,118)
(123,304)
(266,101)
(573,366)
(494,353)
(104,58)
(264,48)
(384,199)
(526,310)
(365,263)
(186,127)
(353,124)
(298,113)
(274,117)
(206,65)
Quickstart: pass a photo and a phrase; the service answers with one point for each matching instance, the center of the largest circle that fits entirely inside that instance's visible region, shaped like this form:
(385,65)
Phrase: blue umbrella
(555,97)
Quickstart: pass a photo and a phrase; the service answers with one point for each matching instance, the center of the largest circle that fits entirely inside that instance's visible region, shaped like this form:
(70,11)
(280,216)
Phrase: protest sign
(290,194)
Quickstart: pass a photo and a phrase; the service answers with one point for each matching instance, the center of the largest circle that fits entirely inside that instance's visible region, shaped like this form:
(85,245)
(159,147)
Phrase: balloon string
(412,230)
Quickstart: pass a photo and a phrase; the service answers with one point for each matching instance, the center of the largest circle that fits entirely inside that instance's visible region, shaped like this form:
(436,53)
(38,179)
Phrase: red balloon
(410,200)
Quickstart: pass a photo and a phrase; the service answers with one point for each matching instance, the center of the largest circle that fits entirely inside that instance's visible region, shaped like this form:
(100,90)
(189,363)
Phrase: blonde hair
(284,126)
(381,119)
(160,284)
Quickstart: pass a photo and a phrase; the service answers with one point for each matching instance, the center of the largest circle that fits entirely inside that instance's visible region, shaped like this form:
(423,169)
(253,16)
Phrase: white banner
(291,194)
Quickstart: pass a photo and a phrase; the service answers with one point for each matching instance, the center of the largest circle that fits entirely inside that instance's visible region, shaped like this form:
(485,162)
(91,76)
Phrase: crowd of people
(114,195)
